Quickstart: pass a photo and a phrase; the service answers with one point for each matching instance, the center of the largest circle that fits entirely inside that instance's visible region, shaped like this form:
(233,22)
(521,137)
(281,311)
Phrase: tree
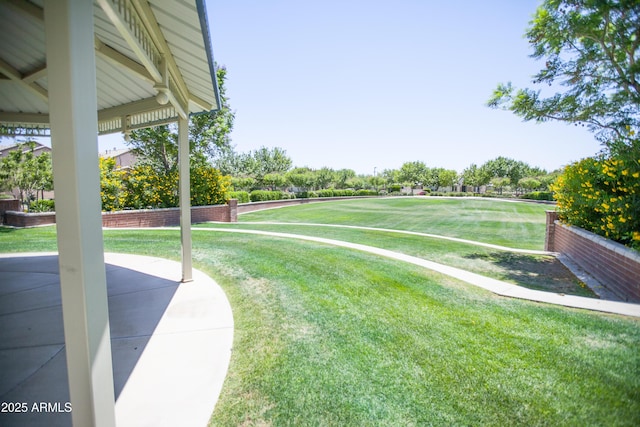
(255,164)
(274,180)
(475,177)
(447,177)
(391,176)
(414,173)
(342,176)
(153,182)
(208,136)
(26,171)
(302,178)
(529,183)
(266,161)
(324,177)
(591,48)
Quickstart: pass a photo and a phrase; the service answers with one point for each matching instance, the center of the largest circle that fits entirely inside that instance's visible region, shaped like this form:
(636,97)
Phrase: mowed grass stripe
(511,224)
(539,272)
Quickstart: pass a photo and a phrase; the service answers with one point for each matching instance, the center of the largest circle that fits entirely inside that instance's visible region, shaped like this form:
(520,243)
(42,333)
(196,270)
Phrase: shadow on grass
(540,272)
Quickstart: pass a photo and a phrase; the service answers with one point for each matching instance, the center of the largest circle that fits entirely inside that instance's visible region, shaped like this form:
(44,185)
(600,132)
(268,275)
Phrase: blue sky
(362,84)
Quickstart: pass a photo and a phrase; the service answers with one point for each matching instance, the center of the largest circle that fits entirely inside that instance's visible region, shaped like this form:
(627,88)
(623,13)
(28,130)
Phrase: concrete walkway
(496,286)
(171,341)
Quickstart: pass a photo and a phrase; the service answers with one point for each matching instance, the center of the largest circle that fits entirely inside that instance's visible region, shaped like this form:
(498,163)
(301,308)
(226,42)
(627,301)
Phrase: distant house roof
(125,158)
(37,149)
(115,152)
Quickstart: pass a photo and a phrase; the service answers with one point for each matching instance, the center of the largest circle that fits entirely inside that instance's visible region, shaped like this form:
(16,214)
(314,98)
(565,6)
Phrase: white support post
(185,198)
(74,128)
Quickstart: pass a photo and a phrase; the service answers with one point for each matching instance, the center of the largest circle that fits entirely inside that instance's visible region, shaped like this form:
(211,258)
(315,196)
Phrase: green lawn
(330,336)
(512,224)
(532,271)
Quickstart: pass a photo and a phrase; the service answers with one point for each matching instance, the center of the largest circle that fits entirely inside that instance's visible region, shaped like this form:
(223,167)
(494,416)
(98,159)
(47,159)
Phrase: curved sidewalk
(496,286)
(170,341)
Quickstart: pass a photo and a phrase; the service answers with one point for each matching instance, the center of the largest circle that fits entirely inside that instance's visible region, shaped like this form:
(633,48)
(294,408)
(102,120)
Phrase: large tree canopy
(590,47)
(208,136)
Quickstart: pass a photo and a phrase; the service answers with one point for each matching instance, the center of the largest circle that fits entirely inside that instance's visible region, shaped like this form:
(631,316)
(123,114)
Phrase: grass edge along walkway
(493,285)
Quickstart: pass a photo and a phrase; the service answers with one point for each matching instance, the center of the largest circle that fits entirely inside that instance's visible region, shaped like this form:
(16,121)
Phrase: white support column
(74,128)
(185,198)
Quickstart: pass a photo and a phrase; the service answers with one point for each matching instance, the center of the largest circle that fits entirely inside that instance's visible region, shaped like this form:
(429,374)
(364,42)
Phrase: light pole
(375,180)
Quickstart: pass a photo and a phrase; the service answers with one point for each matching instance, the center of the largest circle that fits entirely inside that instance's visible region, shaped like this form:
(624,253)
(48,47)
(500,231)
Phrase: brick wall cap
(602,241)
(30,214)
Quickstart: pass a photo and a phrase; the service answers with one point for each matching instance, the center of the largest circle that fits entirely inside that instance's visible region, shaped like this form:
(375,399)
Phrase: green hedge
(366,193)
(344,193)
(264,195)
(42,206)
(241,196)
(538,195)
(306,195)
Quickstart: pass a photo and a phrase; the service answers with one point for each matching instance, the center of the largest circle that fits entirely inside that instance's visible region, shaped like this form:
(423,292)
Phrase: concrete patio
(171,342)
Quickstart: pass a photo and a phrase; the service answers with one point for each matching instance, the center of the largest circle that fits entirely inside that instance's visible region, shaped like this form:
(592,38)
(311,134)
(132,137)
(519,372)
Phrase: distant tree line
(271,169)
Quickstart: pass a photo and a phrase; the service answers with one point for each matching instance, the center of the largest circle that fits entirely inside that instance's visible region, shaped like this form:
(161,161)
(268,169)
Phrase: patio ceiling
(153,64)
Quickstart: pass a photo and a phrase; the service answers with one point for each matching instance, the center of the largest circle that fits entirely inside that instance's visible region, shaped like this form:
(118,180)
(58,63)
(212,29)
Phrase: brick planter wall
(169,216)
(136,218)
(8,205)
(22,219)
(615,266)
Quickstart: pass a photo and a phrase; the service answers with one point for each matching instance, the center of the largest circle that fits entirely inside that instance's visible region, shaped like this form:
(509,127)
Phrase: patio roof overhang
(72,69)
(153,64)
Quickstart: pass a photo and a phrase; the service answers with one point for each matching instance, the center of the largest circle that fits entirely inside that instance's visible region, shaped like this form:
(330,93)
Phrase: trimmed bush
(454,194)
(42,206)
(264,195)
(366,193)
(241,196)
(306,195)
(538,195)
(326,193)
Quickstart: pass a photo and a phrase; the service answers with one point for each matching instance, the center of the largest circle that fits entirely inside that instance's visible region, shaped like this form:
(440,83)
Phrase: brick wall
(135,218)
(615,266)
(170,216)
(8,205)
(142,218)
(21,219)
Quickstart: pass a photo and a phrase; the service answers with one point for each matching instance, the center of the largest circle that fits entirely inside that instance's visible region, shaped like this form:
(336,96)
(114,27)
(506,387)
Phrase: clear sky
(364,83)
(361,84)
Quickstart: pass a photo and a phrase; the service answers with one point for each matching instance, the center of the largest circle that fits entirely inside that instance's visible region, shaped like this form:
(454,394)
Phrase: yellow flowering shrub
(209,186)
(148,188)
(602,195)
(111,189)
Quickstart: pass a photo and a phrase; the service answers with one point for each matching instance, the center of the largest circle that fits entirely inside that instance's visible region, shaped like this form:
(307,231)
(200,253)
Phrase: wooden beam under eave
(27,8)
(35,74)
(142,106)
(14,75)
(149,20)
(139,39)
(107,52)
(9,117)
